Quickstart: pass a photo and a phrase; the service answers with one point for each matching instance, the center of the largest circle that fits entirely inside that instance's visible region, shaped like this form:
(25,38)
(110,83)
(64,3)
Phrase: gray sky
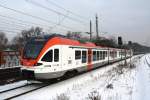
(127,18)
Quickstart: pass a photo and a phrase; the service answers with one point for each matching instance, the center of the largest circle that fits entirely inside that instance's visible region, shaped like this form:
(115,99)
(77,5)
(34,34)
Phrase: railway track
(147,61)
(13,88)
(22,90)
(19,91)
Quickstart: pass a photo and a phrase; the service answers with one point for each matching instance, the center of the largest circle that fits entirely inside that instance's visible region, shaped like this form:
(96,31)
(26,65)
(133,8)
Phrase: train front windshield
(32,50)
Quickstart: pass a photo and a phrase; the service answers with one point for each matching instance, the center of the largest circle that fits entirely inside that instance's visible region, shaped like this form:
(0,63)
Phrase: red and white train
(53,56)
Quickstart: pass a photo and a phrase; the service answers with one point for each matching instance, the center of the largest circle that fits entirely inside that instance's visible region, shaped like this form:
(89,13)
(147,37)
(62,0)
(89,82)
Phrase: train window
(48,57)
(84,56)
(97,55)
(114,54)
(56,55)
(106,53)
(119,53)
(94,55)
(111,54)
(77,54)
(101,55)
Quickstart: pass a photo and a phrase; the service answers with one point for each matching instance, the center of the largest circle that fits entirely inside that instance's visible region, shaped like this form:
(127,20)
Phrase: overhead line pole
(97,27)
(90,30)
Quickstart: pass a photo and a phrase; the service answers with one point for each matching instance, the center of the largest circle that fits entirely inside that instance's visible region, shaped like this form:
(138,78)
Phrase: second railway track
(21,90)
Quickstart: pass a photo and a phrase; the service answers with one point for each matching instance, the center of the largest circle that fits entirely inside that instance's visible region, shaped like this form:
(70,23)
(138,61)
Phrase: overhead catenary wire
(26,23)
(57,12)
(15,28)
(10,23)
(8,31)
(23,21)
(4,26)
(57,5)
(18,26)
(13,24)
(60,21)
(36,17)
(12,28)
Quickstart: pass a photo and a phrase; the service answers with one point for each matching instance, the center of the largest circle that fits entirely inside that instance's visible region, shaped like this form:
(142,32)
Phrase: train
(54,56)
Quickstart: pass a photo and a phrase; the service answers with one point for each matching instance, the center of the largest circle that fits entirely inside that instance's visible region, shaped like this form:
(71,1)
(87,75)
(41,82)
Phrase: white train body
(59,56)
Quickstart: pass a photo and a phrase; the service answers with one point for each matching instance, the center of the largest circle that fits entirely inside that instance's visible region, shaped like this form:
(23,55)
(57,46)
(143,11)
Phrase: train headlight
(37,64)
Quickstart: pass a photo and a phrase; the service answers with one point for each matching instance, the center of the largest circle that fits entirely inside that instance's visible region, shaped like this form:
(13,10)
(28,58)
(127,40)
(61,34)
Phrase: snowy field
(114,82)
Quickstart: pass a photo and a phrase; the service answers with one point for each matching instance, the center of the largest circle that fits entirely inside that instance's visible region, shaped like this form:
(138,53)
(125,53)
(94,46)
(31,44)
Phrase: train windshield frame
(32,49)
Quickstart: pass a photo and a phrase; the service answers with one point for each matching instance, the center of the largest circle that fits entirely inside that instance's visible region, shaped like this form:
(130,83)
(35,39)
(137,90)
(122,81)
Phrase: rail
(19,91)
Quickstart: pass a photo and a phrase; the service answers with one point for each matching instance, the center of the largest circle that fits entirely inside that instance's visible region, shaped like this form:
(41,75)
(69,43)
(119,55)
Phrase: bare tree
(3,41)
(31,32)
(19,41)
(74,35)
(69,35)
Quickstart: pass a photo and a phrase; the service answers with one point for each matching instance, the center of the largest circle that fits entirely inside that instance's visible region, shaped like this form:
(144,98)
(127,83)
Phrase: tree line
(19,41)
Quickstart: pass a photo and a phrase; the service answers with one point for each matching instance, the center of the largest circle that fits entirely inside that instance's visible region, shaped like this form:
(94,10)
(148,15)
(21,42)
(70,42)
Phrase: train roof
(65,40)
(60,39)
(45,37)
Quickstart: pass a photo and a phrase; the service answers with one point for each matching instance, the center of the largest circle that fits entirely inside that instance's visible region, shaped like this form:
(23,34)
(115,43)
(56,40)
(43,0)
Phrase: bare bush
(109,86)
(94,96)
(131,66)
(62,96)
(119,69)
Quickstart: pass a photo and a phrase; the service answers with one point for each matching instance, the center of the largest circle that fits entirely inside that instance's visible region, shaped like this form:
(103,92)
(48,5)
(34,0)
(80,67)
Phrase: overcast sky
(127,18)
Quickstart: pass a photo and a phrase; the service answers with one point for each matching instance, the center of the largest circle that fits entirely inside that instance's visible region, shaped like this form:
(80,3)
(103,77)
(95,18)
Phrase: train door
(108,54)
(89,59)
(56,61)
(70,58)
(113,55)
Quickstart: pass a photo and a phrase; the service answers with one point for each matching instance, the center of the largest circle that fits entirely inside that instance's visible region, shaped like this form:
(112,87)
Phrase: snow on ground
(142,86)
(114,82)
(107,83)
